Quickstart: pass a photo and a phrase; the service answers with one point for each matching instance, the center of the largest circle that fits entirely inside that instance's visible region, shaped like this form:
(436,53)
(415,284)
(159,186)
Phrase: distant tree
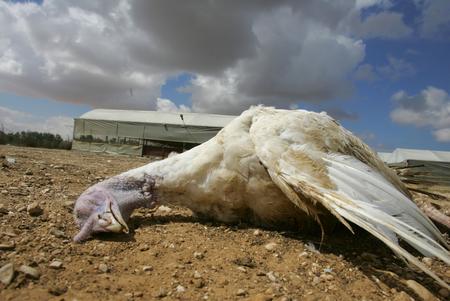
(35,139)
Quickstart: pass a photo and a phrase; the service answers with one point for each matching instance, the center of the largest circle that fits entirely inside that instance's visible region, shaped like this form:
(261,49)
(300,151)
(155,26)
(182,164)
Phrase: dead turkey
(272,167)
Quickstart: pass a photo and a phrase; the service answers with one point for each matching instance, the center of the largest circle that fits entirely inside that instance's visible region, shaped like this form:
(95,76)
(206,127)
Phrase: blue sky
(381,67)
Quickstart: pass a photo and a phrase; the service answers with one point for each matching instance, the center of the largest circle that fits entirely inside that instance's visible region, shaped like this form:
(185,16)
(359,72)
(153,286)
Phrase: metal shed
(144,132)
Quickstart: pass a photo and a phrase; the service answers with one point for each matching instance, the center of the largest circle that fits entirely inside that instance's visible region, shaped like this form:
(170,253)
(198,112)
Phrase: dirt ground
(170,255)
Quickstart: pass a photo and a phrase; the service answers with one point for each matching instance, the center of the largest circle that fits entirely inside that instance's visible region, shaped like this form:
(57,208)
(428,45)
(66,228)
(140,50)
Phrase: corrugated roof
(190,119)
(403,154)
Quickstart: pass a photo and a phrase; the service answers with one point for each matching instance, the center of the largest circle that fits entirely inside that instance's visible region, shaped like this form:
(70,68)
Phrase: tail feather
(366,218)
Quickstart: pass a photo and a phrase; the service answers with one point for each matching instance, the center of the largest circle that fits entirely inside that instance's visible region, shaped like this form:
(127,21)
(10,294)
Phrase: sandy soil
(170,255)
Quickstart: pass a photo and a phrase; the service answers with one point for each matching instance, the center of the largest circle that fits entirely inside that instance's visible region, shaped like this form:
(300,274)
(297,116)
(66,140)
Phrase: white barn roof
(403,154)
(190,119)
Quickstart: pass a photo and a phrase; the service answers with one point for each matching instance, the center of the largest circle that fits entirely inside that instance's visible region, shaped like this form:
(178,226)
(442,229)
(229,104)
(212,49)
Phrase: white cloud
(435,18)
(429,108)
(442,135)
(166,105)
(16,121)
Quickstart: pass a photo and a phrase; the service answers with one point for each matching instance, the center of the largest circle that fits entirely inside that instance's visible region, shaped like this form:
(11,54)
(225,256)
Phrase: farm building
(416,166)
(144,133)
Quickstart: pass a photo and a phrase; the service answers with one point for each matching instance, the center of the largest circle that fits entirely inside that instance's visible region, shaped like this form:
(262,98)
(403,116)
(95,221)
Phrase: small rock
(311,247)
(326,276)
(163,209)
(138,294)
(103,268)
(242,269)
(28,172)
(29,271)
(245,261)
(199,255)
(180,289)
(241,292)
(197,275)
(144,247)
(69,205)
(316,280)
(257,232)
(34,209)
(199,283)
(270,246)
(9,246)
(3,210)
(444,292)
(7,273)
(21,208)
(56,264)
(57,290)
(420,290)
(57,233)
(147,268)
(271,276)
(428,261)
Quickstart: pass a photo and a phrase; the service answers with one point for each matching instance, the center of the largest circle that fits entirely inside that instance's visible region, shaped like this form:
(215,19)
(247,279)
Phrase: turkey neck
(160,182)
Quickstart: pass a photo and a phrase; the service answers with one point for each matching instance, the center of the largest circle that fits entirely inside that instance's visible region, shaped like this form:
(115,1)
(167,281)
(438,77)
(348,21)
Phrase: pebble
(199,255)
(242,269)
(7,273)
(57,233)
(28,172)
(199,283)
(34,209)
(29,271)
(147,268)
(270,246)
(257,232)
(144,248)
(197,275)
(271,276)
(69,205)
(57,290)
(6,247)
(241,292)
(103,268)
(163,209)
(56,264)
(180,289)
(128,295)
(3,210)
(420,290)
(326,276)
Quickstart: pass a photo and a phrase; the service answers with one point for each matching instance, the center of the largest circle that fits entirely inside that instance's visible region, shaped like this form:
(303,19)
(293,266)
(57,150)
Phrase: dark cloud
(239,52)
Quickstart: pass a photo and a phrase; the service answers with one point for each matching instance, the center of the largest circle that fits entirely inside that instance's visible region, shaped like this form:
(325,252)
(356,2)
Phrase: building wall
(137,138)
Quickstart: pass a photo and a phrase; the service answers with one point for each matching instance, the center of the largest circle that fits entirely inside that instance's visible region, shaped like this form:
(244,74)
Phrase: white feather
(281,165)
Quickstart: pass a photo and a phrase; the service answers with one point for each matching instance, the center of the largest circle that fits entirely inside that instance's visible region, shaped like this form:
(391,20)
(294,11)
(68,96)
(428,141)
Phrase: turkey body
(276,168)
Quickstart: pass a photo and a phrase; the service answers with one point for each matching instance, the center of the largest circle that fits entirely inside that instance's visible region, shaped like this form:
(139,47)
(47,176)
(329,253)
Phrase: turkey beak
(117,222)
